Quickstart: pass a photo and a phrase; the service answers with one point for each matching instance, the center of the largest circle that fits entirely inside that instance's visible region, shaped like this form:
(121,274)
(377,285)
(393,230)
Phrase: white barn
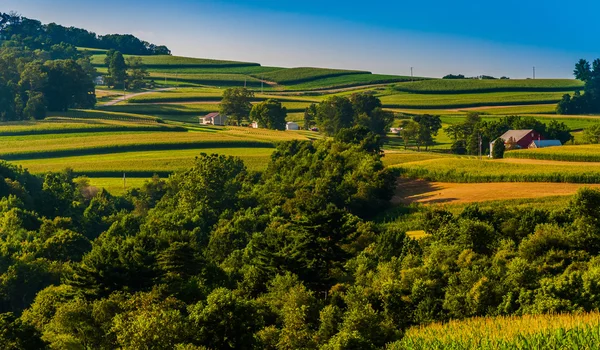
(214,119)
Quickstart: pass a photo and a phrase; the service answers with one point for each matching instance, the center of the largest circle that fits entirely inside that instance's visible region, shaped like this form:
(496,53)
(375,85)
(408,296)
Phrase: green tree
(269,114)
(498,149)
(592,134)
(310,114)
(136,73)
(333,114)
(236,103)
(117,68)
(68,86)
(36,106)
(429,125)
(17,335)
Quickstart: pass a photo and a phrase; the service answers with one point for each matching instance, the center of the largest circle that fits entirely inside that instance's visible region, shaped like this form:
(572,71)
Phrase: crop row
(165,61)
(449,86)
(583,153)
(564,331)
(209,79)
(419,101)
(144,163)
(475,171)
(304,74)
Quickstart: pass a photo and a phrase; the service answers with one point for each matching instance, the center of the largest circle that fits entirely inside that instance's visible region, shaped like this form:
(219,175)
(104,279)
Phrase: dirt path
(420,191)
(126,97)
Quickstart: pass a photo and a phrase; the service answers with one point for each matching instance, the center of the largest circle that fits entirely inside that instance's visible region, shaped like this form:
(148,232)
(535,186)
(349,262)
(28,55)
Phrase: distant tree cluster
(359,110)
(35,35)
(122,72)
(466,135)
(461,76)
(589,102)
(31,83)
(420,130)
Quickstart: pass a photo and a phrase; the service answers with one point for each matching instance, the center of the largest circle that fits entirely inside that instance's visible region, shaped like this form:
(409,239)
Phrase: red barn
(520,138)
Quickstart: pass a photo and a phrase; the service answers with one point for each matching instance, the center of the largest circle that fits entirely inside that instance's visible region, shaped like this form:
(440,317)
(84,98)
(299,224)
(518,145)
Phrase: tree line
(36,35)
(334,114)
(589,101)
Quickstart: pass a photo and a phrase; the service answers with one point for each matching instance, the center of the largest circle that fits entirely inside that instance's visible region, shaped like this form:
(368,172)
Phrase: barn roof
(546,143)
(212,115)
(517,135)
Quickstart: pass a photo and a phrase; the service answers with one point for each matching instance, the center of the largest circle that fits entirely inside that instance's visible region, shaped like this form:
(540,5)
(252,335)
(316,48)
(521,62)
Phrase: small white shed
(292,126)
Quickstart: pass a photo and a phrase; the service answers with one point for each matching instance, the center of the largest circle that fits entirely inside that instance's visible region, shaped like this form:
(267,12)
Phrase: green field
(414,100)
(448,86)
(303,74)
(142,164)
(164,61)
(577,153)
(460,169)
(216,79)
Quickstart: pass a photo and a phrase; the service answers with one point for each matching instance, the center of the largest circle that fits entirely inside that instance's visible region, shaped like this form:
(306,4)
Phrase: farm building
(518,139)
(254,125)
(99,80)
(291,126)
(214,119)
(544,143)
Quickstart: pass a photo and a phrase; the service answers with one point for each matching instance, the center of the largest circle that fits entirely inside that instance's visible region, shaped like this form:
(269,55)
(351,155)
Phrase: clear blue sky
(435,37)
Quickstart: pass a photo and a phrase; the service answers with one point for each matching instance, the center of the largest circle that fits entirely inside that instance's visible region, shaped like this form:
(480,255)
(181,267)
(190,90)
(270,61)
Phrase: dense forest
(296,257)
(36,35)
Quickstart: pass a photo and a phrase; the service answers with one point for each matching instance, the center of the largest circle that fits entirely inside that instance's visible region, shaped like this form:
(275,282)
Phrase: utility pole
(124,182)
(411,74)
(479,146)
(124,89)
(534,72)
(262,83)
(176,82)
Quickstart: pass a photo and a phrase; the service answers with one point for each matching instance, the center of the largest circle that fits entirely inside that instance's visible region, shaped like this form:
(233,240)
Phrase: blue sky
(435,37)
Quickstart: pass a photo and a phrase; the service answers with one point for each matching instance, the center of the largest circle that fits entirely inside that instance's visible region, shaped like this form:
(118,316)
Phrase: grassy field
(216,79)
(448,86)
(576,153)
(470,170)
(568,331)
(142,164)
(446,101)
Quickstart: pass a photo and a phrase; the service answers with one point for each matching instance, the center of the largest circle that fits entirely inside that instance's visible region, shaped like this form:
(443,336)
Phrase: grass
(115,185)
(577,153)
(142,164)
(103,114)
(449,86)
(565,331)
(469,170)
(418,101)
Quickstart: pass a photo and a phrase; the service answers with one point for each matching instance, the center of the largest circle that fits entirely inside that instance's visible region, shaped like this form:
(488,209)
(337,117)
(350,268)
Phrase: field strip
(425,192)
(544,162)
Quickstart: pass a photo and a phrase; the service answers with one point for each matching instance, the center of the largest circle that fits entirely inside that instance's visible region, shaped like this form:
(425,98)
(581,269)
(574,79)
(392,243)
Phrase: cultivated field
(569,331)
(472,170)
(441,86)
(577,153)
(425,192)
